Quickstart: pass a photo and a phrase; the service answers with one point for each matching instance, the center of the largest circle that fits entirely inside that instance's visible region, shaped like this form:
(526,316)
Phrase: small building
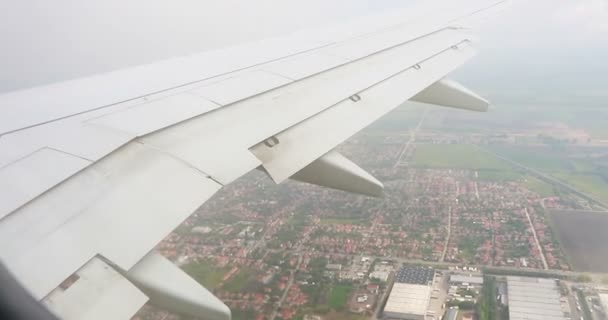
(334,267)
(459,279)
(379,275)
(373,288)
(408,302)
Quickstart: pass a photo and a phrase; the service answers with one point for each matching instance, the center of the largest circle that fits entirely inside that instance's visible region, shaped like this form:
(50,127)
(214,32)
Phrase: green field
(205,273)
(541,159)
(590,184)
(457,156)
(582,173)
(509,175)
(340,220)
(338,296)
(238,282)
(542,188)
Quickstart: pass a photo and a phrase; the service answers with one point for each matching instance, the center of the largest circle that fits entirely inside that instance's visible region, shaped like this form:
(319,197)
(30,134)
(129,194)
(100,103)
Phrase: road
(292,277)
(447,239)
(595,277)
(540,248)
(383,298)
(289,284)
(549,179)
(411,140)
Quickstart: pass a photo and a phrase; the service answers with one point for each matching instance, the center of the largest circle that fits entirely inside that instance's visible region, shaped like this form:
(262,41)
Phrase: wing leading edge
(77,181)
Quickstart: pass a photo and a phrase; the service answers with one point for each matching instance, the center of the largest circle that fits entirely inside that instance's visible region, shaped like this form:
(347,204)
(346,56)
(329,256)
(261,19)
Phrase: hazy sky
(564,42)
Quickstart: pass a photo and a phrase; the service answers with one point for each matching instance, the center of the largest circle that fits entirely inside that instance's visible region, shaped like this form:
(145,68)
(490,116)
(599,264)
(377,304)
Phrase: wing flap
(452,94)
(241,86)
(304,65)
(135,188)
(172,289)
(155,115)
(95,292)
(333,170)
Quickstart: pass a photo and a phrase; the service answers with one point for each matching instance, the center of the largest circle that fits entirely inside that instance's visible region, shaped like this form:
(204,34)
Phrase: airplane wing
(95,172)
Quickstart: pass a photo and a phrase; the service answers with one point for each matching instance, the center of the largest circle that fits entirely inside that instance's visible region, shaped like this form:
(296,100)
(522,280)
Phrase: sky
(534,46)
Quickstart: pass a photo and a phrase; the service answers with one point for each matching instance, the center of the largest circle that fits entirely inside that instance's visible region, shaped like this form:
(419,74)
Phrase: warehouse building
(408,302)
(534,299)
(604,301)
(459,279)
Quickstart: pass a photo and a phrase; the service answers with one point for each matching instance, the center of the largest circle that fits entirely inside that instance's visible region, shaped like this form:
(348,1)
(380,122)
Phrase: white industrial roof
(466,279)
(408,298)
(604,300)
(534,299)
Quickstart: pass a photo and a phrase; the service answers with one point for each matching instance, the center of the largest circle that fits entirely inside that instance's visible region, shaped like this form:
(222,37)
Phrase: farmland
(590,184)
(583,236)
(460,156)
(542,188)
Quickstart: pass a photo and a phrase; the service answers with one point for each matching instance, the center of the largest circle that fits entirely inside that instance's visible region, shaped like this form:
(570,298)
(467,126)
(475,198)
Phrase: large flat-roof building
(408,301)
(604,301)
(534,299)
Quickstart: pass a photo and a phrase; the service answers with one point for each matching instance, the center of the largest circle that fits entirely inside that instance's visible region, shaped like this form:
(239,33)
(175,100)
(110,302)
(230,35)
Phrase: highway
(549,179)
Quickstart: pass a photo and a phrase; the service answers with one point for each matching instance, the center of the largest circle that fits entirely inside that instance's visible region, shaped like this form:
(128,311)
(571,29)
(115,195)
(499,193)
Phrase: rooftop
(415,275)
(466,279)
(408,298)
(604,300)
(534,299)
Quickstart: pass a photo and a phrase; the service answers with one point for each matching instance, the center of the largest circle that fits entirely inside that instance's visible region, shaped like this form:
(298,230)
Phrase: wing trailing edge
(335,171)
(170,288)
(450,93)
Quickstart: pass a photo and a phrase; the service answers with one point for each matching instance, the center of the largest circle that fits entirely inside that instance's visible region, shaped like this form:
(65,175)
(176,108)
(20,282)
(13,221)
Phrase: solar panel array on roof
(534,299)
(415,275)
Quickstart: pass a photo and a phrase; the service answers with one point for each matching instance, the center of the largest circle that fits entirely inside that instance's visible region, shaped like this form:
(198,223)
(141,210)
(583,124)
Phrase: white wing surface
(94,172)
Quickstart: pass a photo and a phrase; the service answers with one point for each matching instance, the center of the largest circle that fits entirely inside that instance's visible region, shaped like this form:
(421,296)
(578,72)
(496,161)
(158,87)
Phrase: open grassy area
(540,159)
(458,156)
(340,220)
(500,176)
(536,185)
(205,273)
(338,296)
(590,184)
(238,282)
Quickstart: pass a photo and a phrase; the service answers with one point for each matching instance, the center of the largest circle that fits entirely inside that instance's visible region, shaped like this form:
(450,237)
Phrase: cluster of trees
(584,306)
(523,273)
(486,306)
